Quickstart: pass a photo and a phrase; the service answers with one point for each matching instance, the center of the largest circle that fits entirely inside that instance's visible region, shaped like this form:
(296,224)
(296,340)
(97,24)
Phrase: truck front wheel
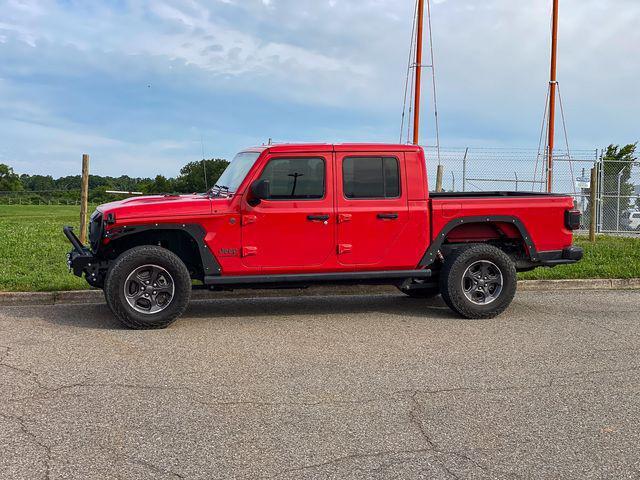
(478,281)
(148,287)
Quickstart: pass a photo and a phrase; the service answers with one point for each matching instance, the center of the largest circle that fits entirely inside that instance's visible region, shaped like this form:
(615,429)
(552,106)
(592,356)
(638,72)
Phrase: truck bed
(541,216)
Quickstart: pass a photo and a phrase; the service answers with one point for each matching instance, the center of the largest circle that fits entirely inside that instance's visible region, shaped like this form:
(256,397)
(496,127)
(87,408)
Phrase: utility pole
(553,82)
(418,83)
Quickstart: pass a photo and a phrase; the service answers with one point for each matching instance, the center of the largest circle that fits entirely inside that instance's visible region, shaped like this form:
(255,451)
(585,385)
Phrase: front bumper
(567,256)
(80,259)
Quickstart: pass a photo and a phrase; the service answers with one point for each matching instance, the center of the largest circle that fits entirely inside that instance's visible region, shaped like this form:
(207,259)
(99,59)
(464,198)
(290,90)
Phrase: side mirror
(260,190)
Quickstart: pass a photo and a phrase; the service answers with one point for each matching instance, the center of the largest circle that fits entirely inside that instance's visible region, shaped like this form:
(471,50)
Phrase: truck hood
(160,206)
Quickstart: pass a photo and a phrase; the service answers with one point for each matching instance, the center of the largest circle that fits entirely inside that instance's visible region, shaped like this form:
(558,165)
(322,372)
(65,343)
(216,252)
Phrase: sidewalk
(96,296)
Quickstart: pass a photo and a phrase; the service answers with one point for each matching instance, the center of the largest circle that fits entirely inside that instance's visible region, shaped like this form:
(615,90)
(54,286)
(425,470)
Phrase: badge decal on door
(228,252)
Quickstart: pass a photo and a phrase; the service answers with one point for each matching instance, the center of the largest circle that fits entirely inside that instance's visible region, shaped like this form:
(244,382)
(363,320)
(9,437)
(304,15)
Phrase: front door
(294,229)
(372,209)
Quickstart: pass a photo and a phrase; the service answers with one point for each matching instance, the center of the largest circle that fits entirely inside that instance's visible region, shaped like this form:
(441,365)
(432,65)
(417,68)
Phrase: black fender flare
(431,253)
(210,264)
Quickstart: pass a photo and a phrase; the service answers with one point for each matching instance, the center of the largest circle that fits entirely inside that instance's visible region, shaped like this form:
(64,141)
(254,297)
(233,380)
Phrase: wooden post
(439,176)
(84,198)
(592,205)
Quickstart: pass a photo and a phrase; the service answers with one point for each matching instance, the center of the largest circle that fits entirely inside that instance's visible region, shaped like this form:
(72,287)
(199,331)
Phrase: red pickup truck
(292,216)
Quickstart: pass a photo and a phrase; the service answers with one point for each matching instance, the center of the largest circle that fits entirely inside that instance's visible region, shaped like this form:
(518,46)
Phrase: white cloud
(332,57)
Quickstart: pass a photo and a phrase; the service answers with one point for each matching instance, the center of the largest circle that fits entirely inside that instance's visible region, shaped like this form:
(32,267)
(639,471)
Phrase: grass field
(609,257)
(33,252)
(33,249)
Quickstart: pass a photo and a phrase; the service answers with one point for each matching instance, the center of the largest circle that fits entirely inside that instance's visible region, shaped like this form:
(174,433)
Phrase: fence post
(601,192)
(464,170)
(592,205)
(439,176)
(84,198)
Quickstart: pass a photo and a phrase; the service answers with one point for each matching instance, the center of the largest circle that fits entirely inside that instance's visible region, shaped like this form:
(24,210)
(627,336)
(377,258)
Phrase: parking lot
(334,387)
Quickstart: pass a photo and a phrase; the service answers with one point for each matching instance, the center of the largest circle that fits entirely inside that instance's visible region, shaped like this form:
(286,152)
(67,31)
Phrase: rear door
(372,208)
(293,230)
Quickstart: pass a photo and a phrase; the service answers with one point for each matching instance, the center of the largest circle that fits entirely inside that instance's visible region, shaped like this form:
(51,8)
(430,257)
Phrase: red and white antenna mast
(553,83)
(418,80)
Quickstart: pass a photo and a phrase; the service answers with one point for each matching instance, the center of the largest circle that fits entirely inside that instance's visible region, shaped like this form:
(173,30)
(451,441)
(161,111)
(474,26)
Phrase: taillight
(572,219)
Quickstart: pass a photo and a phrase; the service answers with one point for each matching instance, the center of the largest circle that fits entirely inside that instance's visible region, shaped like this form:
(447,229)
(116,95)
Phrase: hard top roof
(337,147)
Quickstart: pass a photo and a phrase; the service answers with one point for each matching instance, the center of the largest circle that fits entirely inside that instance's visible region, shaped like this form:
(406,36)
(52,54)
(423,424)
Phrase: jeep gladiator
(293,216)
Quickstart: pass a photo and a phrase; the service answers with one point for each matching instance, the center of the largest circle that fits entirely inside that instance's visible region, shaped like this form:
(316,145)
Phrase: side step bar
(314,278)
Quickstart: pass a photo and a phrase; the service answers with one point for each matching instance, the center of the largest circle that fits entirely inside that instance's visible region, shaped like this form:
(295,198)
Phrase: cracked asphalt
(335,387)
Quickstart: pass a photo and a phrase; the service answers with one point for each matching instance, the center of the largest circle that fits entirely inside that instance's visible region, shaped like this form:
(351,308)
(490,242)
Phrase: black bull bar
(80,257)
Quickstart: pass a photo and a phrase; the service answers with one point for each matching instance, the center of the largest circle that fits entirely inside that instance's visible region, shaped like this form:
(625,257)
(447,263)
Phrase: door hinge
(248,219)
(249,251)
(344,217)
(344,248)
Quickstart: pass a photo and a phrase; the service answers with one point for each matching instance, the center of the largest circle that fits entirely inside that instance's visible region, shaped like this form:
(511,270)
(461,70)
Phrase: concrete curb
(12,299)
(586,284)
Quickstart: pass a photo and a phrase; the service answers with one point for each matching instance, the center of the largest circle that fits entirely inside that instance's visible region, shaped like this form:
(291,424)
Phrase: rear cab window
(371,177)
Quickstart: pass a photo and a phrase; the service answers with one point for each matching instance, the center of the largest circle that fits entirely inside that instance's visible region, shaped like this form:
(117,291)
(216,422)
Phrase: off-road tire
(451,281)
(126,263)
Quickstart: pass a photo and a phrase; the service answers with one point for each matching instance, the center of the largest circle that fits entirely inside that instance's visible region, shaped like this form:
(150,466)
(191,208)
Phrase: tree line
(617,163)
(30,189)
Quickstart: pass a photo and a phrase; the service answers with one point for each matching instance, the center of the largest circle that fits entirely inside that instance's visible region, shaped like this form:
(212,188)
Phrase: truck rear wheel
(148,287)
(478,281)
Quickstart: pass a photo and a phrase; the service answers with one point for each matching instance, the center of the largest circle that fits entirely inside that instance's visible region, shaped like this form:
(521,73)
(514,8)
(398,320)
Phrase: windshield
(236,171)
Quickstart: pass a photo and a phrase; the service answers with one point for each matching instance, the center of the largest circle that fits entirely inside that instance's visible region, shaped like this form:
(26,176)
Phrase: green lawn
(609,257)
(33,248)
(33,252)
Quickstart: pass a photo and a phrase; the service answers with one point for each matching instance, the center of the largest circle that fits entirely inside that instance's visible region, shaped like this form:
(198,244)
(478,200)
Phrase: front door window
(295,178)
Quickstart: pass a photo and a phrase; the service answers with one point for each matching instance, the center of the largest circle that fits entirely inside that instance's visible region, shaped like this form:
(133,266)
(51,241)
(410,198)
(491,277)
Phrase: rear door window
(371,177)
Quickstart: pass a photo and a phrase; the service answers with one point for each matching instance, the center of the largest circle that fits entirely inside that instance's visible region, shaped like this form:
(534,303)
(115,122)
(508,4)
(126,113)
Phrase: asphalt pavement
(335,387)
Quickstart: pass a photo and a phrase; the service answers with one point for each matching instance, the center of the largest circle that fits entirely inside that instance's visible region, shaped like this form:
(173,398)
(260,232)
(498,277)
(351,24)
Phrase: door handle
(388,216)
(318,218)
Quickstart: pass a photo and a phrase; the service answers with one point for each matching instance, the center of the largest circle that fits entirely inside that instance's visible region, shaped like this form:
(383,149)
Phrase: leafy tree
(99,195)
(37,182)
(191,177)
(9,181)
(160,184)
(617,163)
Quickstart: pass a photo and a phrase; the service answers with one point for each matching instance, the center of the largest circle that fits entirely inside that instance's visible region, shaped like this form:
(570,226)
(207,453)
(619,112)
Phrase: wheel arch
(187,241)
(486,229)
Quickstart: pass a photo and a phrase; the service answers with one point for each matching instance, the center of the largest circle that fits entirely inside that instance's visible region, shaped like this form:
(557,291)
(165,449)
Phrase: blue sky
(137,83)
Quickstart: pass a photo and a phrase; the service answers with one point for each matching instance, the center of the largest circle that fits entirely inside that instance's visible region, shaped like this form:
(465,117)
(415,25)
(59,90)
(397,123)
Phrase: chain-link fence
(494,169)
(618,196)
(524,170)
